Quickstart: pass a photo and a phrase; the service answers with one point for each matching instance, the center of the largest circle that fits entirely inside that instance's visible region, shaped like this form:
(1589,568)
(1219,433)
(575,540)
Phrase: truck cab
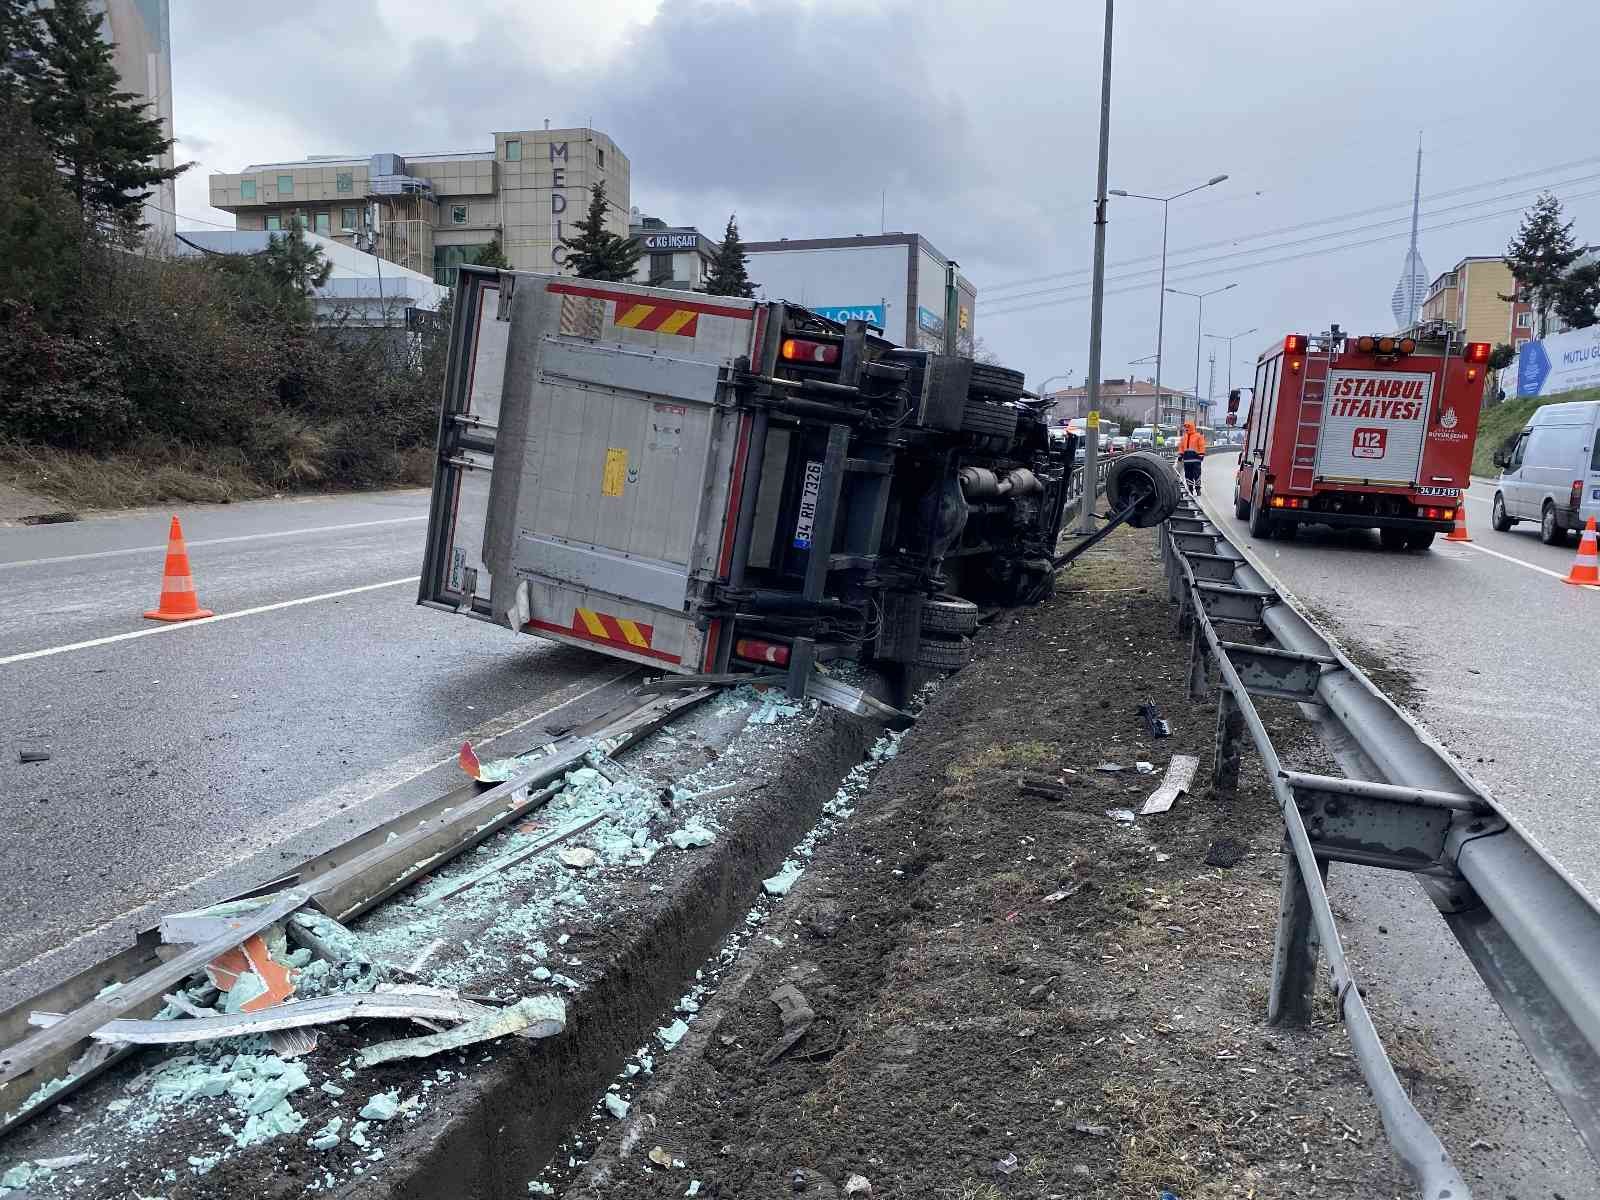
(1369,432)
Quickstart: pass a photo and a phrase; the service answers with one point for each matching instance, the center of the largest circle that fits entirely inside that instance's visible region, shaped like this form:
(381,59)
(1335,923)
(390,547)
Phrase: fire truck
(1368,432)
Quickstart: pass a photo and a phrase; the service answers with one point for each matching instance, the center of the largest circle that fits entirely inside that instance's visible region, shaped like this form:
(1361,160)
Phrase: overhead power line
(1271,262)
(1302,225)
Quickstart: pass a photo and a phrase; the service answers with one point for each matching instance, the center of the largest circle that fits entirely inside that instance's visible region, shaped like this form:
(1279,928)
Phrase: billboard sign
(1561,363)
(929,321)
(873,314)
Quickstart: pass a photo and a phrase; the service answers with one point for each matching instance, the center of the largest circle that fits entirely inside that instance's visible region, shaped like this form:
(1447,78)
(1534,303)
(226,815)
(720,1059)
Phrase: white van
(1551,472)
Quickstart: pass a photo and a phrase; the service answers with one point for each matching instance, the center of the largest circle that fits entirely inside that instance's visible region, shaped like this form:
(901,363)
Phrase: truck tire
(989,420)
(1260,522)
(995,383)
(946,654)
(949,614)
(1419,541)
(1241,506)
(1144,479)
(1498,517)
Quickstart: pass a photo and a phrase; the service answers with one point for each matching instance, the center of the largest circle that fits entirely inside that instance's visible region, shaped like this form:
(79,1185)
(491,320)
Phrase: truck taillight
(1294,343)
(799,350)
(1476,352)
(757,651)
(1576,496)
(1437,514)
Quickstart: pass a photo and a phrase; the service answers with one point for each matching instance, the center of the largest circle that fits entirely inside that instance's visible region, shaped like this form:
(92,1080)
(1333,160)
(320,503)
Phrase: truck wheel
(989,420)
(1260,522)
(1241,506)
(949,614)
(947,654)
(1497,515)
(1145,480)
(995,383)
(1392,539)
(1550,531)
(1419,541)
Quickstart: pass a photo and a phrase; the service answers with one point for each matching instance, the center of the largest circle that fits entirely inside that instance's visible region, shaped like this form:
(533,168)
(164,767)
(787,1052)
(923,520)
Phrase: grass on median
(1504,420)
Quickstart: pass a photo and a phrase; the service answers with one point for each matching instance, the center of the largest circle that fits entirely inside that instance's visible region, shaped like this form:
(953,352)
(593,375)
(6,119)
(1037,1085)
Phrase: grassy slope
(1500,422)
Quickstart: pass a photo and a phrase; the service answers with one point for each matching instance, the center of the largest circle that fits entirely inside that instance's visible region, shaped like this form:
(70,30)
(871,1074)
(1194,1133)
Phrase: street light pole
(1228,337)
(1098,289)
(1198,324)
(1161,295)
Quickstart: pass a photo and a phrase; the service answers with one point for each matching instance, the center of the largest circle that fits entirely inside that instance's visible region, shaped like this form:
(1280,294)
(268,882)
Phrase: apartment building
(1471,297)
(675,256)
(1135,400)
(432,212)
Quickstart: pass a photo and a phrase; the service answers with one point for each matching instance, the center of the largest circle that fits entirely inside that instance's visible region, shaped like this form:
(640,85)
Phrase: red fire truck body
(1364,433)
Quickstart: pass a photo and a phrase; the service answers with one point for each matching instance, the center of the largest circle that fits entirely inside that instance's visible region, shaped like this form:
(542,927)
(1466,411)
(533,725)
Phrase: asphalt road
(1499,651)
(183,755)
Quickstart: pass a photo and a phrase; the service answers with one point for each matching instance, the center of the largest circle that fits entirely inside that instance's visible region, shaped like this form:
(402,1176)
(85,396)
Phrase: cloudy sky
(978,122)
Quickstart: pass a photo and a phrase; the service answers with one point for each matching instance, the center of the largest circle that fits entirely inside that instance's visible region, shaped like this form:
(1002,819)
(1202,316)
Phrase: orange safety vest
(1192,441)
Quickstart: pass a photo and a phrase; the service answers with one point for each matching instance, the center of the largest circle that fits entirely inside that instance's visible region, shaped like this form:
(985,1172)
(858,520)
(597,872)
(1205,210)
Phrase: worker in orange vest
(1192,454)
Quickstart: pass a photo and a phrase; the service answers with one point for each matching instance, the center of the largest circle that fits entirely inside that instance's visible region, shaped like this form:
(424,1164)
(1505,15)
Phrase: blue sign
(872,314)
(929,320)
(1533,368)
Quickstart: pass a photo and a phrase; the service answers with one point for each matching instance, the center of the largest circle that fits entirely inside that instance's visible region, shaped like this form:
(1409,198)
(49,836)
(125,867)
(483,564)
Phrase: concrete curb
(512,1114)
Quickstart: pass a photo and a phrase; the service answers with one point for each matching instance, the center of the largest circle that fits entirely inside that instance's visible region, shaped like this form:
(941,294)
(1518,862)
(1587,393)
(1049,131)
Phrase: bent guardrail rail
(1528,928)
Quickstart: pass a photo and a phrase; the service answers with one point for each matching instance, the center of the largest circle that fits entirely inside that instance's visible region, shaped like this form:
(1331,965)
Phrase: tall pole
(1199,323)
(1211,380)
(1411,256)
(1098,290)
(1161,304)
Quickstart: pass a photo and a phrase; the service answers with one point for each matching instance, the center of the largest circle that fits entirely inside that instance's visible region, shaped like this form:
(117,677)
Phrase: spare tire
(989,420)
(1146,480)
(995,383)
(949,614)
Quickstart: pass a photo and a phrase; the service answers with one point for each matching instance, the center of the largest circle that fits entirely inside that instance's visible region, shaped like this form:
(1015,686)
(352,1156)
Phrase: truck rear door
(1374,425)
(611,501)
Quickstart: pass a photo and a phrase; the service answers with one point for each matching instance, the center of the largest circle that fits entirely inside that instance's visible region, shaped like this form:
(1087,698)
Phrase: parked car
(1550,473)
(1121,445)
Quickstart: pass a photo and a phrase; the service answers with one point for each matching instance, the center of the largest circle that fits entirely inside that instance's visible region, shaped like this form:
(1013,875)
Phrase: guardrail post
(1230,727)
(1199,664)
(1295,950)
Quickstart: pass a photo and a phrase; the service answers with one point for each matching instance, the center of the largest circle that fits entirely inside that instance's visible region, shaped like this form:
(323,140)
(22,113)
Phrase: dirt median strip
(1016,994)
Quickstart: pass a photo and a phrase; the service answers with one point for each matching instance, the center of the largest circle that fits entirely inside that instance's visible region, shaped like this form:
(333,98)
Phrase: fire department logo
(1447,419)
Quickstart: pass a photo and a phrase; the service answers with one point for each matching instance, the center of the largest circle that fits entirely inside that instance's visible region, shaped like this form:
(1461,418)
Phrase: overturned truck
(706,484)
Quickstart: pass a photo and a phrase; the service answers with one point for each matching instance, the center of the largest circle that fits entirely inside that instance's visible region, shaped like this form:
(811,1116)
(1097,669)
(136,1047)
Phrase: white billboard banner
(1562,363)
(1373,425)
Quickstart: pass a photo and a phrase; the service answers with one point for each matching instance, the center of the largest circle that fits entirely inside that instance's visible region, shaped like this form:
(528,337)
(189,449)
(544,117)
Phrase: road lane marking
(178,625)
(1521,562)
(191,543)
(374,784)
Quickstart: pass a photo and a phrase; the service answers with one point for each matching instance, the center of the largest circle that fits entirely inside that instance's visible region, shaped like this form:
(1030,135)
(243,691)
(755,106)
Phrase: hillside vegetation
(1500,423)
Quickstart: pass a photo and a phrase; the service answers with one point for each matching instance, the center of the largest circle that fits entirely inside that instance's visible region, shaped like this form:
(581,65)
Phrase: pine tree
(1540,256)
(295,268)
(104,140)
(493,256)
(597,253)
(1578,295)
(728,275)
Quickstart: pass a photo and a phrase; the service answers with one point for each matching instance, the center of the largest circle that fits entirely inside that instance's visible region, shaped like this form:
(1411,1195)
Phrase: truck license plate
(808,505)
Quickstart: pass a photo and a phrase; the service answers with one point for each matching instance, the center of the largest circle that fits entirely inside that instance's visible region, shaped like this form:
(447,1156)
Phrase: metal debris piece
(1144,768)
(1006,1165)
(1154,722)
(1038,785)
(1063,894)
(1124,815)
(516,856)
(323,1010)
(796,1016)
(840,695)
(1111,768)
(1088,1130)
(33,756)
(1180,774)
(546,1015)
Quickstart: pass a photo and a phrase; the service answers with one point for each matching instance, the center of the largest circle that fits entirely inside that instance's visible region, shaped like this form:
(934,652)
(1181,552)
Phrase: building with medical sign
(895,281)
(433,212)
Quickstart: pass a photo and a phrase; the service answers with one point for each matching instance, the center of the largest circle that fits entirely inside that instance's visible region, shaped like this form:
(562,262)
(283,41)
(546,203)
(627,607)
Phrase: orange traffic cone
(1459,533)
(178,600)
(1586,566)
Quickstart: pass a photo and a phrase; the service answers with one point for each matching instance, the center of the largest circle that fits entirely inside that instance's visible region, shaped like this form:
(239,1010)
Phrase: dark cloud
(976,122)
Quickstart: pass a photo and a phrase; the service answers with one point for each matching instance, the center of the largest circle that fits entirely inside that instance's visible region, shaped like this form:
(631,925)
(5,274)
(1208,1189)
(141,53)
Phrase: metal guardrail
(1530,930)
(1075,479)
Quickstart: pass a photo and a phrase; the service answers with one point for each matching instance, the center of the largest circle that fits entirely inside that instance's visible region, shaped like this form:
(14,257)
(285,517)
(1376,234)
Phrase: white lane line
(1520,562)
(169,627)
(243,537)
(323,809)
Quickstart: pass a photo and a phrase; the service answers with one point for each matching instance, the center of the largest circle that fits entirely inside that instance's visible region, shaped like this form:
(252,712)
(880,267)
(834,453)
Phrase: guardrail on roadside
(1530,930)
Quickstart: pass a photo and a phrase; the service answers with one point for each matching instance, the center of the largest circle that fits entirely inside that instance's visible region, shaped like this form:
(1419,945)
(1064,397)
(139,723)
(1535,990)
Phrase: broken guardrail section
(1404,804)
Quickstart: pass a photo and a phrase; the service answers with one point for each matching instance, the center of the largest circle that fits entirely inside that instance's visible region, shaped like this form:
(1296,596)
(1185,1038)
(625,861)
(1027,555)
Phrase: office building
(675,256)
(430,213)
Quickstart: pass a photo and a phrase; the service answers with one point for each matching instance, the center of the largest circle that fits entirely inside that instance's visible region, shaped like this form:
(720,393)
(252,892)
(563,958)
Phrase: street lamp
(1199,319)
(1161,295)
(1228,337)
